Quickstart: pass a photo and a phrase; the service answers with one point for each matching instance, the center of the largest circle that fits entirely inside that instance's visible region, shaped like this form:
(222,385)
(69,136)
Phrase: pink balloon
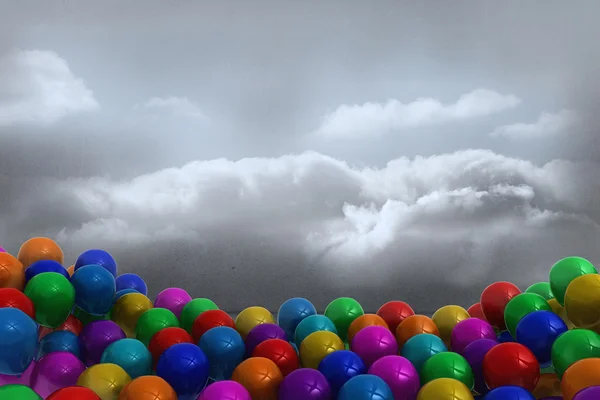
(23,379)
(55,371)
(173,299)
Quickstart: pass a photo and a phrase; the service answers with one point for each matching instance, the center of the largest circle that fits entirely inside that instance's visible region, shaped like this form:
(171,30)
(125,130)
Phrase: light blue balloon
(18,341)
(421,348)
(131,355)
(311,324)
(292,312)
(225,349)
(366,387)
(53,342)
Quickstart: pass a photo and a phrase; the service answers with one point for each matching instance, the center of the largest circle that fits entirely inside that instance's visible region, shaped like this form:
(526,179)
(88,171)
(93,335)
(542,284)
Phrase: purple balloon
(55,371)
(229,390)
(263,332)
(590,393)
(474,354)
(2,250)
(400,375)
(469,330)
(173,299)
(304,384)
(96,337)
(23,379)
(374,342)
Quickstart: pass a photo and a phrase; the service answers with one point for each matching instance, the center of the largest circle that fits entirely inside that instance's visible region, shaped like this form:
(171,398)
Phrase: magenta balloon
(374,342)
(173,299)
(400,375)
(55,371)
(229,390)
(23,379)
(591,393)
(469,330)
(2,250)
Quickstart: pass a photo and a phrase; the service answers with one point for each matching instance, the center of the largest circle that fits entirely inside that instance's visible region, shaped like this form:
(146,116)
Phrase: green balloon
(541,288)
(152,321)
(520,306)
(86,318)
(342,311)
(194,308)
(53,297)
(564,271)
(548,369)
(447,365)
(20,392)
(572,346)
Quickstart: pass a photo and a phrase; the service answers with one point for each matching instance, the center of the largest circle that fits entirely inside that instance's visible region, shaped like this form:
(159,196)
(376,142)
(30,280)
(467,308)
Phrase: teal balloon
(420,348)
(131,355)
(311,324)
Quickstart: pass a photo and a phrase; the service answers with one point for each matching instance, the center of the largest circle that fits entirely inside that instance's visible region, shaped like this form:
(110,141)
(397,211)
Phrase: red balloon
(511,364)
(475,311)
(14,298)
(166,338)
(494,299)
(394,312)
(208,320)
(71,324)
(74,392)
(280,352)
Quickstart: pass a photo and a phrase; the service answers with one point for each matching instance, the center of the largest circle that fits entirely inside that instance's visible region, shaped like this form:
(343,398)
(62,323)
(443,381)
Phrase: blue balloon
(421,348)
(225,349)
(123,292)
(131,355)
(311,324)
(339,367)
(366,387)
(509,393)
(131,281)
(97,257)
(58,341)
(293,311)
(538,330)
(185,367)
(18,341)
(505,337)
(94,289)
(41,266)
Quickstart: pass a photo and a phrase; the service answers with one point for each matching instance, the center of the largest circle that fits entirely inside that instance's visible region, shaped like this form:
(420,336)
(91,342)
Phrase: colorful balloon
(446,319)
(131,281)
(148,388)
(251,317)
(166,338)
(292,312)
(341,366)
(342,311)
(521,305)
(11,297)
(468,331)
(263,332)
(224,348)
(475,353)
(173,299)
(447,365)
(12,273)
(511,364)
(538,331)
(415,325)
(224,390)
(53,297)
(192,310)
(260,377)
(128,309)
(95,338)
(41,266)
(573,346)
(304,384)
(421,348)
(281,353)
(18,341)
(581,375)
(394,312)
(129,354)
(317,346)
(494,299)
(399,374)
(541,288)
(56,371)
(106,380)
(20,392)
(445,389)
(475,311)
(564,271)
(582,301)
(311,324)
(94,289)
(373,343)
(185,367)
(208,320)
(58,341)
(97,257)
(364,321)
(366,387)
(152,321)
(74,392)
(39,248)
(512,393)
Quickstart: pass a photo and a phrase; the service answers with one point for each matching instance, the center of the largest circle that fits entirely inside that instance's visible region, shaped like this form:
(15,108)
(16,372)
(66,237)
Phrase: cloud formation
(38,87)
(173,106)
(547,125)
(373,119)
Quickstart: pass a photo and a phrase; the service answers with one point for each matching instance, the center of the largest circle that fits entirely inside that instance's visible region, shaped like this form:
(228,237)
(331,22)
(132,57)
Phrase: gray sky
(274,149)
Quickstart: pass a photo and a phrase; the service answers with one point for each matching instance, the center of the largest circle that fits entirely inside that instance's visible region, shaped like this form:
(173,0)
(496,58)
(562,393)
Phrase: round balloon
(591,393)
(2,250)
(582,301)
(304,384)
(505,337)
(97,257)
(311,324)
(538,331)
(12,274)
(564,271)
(399,374)
(521,305)
(445,389)
(224,348)
(129,354)
(260,377)
(263,332)
(373,343)
(166,338)
(123,292)
(511,364)
(128,309)
(44,266)
(106,380)
(394,312)
(366,387)
(208,320)
(447,365)
(11,297)
(280,352)
(23,379)
(225,390)
(173,299)
(364,321)
(468,331)
(20,392)
(148,388)
(131,281)
(581,375)
(541,288)
(95,338)
(475,311)
(94,289)
(561,312)
(293,311)
(53,297)
(74,392)
(39,248)
(510,392)
(474,353)
(185,367)
(18,341)
(573,346)
(58,341)
(251,317)
(192,310)
(317,346)
(342,311)
(446,319)
(547,386)
(415,325)
(421,348)
(56,371)
(494,299)
(152,321)
(339,367)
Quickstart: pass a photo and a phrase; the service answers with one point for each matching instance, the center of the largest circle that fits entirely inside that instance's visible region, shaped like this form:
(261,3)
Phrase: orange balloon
(362,322)
(583,374)
(12,273)
(71,269)
(415,325)
(148,388)
(260,376)
(39,248)
(547,386)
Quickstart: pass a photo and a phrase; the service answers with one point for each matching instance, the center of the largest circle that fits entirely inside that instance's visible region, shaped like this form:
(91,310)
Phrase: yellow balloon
(127,309)
(445,389)
(250,317)
(560,311)
(582,300)
(317,346)
(106,380)
(446,319)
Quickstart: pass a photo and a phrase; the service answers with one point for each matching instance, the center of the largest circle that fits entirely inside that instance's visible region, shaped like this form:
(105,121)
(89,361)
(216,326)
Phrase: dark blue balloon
(185,367)
(131,281)
(58,341)
(123,292)
(45,266)
(97,257)
(293,311)
(505,337)
(538,330)
(18,341)
(94,289)
(224,348)
(366,387)
(341,366)
(509,393)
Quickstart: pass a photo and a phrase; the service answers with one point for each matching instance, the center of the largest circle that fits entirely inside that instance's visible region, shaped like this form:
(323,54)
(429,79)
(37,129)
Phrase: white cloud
(369,119)
(173,106)
(547,125)
(39,87)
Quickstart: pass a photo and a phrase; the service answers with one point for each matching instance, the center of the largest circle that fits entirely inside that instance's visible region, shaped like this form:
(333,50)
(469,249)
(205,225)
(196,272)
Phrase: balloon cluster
(87,332)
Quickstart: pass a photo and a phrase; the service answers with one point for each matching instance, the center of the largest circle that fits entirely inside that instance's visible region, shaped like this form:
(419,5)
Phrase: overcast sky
(259,150)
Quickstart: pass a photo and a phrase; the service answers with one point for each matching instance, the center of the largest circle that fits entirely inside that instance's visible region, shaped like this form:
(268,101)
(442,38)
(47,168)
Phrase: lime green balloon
(153,321)
(572,346)
(20,392)
(53,297)
(342,311)
(520,306)
(564,271)
(194,308)
(447,365)
(541,288)
(86,318)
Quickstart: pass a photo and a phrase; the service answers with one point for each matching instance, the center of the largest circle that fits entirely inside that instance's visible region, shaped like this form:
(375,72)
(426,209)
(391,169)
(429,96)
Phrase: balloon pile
(86,332)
